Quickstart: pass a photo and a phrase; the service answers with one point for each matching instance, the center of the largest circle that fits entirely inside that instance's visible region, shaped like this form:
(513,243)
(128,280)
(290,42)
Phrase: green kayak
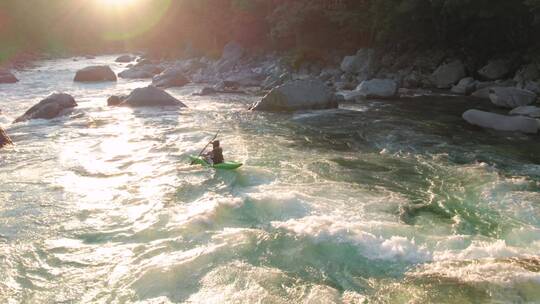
(223,166)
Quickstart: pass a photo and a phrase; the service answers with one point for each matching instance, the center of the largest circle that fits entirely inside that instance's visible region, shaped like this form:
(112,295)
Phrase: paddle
(202,151)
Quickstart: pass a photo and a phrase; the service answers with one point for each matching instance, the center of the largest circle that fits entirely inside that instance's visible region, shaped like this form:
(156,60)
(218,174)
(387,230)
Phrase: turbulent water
(377,202)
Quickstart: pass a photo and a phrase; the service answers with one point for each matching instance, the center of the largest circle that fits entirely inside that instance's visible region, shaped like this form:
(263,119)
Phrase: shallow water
(377,202)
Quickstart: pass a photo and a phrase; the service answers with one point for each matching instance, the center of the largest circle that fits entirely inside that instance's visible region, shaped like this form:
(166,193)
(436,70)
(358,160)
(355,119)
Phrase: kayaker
(216,155)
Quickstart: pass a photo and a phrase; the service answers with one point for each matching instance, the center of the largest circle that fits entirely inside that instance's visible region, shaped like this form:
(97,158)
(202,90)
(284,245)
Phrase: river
(383,201)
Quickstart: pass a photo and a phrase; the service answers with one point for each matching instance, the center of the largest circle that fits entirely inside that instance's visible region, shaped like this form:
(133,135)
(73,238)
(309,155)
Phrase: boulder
(501,122)
(95,74)
(171,77)
(530,111)
(533,86)
(510,97)
(142,71)
(446,75)
(529,72)
(150,97)
(232,52)
(244,78)
(7,77)
(297,95)
(4,138)
(359,63)
(495,69)
(465,86)
(53,106)
(378,88)
(115,100)
(125,58)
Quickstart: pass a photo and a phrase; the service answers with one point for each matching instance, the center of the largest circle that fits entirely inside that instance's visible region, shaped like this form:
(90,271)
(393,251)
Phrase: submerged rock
(501,122)
(115,100)
(297,95)
(53,106)
(378,88)
(530,111)
(4,138)
(7,77)
(495,69)
(150,97)
(510,97)
(125,58)
(95,74)
(446,75)
(171,77)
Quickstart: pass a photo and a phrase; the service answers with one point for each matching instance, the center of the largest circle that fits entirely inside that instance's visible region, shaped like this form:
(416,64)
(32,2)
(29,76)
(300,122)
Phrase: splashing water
(380,202)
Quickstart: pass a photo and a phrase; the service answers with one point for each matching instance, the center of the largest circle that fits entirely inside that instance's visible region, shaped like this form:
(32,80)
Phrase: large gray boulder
(4,138)
(232,52)
(125,58)
(501,122)
(495,69)
(360,63)
(95,74)
(530,111)
(53,106)
(465,86)
(529,72)
(7,77)
(297,95)
(446,75)
(511,97)
(171,77)
(141,71)
(378,88)
(150,97)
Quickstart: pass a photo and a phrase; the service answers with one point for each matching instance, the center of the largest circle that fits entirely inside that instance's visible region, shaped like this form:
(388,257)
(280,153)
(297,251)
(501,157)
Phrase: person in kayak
(216,155)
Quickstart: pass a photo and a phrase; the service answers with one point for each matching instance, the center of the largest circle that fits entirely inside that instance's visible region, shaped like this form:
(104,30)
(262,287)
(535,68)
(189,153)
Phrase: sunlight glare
(117,3)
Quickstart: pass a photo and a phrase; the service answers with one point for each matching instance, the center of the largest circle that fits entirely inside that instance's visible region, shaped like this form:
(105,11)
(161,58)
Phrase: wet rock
(501,122)
(150,97)
(116,100)
(125,58)
(465,86)
(141,71)
(360,63)
(53,106)
(446,75)
(4,138)
(530,111)
(7,77)
(171,77)
(510,97)
(95,74)
(378,88)
(297,95)
(527,73)
(495,69)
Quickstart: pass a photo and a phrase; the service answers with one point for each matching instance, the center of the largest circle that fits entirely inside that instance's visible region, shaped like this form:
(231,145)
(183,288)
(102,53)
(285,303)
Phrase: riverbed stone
(96,73)
(150,97)
(448,74)
(125,59)
(297,95)
(7,77)
(527,73)
(511,97)
(116,100)
(142,71)
(465,86)
(501,122)
(359,63)
(4,138)
(171,77)
(530,111)
(378,88)
(53,106)
(495,69)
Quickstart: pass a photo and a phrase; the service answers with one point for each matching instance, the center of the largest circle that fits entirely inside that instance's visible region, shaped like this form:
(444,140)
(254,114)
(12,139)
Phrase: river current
(382,201)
